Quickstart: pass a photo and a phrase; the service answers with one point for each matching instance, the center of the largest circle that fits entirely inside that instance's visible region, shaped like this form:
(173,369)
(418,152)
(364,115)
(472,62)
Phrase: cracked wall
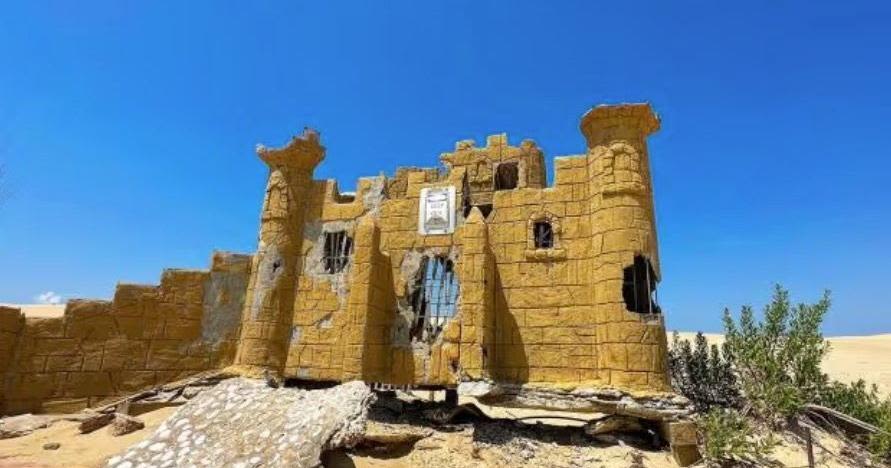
(145,336)
(524,314)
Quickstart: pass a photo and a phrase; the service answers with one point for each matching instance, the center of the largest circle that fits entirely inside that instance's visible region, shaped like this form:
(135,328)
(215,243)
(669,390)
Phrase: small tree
(702,374)
(778,359)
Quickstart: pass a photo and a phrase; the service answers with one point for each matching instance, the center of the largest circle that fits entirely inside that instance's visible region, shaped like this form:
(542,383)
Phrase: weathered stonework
(527,315)
(145,336)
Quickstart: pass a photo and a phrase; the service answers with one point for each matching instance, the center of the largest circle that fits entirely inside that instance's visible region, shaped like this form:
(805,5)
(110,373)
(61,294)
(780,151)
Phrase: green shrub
(866,404)
(727,438)
(778,358)
(702,374)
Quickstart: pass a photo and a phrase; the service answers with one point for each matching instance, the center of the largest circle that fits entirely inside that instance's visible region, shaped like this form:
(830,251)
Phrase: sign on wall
(436,211)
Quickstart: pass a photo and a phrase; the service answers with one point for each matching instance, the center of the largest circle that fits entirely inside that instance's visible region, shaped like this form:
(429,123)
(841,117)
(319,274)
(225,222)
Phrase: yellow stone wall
(145,336)
(550,317)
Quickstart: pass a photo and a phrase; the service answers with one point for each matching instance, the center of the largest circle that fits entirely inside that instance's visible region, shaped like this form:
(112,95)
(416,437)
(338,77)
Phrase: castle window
(338,248)
(434,298)
(507,176)
(543,235)
(639,287)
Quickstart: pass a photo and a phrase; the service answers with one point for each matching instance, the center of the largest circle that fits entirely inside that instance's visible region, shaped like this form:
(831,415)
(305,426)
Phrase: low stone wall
(145,336)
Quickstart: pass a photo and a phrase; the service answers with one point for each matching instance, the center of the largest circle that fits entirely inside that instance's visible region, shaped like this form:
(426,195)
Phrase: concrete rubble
(124,424)
(242,423)
(24,424)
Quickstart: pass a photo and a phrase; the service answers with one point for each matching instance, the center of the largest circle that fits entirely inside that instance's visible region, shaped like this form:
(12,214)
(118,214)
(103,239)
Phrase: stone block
(88,384)
(11,320)
(45,327)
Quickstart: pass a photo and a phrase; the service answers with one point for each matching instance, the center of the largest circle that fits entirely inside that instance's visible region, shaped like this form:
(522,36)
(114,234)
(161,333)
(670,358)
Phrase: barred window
(639,287)
(507,176)
(434,298)
(338,248)
(543,233)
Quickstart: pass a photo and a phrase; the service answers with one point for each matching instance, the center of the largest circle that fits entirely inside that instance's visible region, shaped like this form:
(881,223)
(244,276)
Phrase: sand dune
(39,310)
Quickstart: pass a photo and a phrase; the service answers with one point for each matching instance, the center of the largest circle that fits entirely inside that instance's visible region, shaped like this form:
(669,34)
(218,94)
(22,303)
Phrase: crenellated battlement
(473,271)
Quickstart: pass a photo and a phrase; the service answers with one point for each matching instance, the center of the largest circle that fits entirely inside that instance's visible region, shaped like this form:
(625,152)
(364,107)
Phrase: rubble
(95,422)
(17,426)
(243,423)
(124,424)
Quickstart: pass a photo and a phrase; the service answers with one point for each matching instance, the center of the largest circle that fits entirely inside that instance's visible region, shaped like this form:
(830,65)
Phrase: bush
(727,437)
(864,403)
(702,374)
(778,359)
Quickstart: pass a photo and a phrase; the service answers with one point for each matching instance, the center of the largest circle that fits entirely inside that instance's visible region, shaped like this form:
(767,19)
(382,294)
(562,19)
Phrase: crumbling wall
(526,313)
(322,323)
(145,336)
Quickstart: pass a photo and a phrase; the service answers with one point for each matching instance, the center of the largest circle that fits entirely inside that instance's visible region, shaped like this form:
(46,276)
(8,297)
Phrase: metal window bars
(639,287)
(435,297)
(543,235)
(338,248)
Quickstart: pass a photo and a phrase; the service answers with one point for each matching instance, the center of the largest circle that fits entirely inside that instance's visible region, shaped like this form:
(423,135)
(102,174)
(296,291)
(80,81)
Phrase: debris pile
(243,422)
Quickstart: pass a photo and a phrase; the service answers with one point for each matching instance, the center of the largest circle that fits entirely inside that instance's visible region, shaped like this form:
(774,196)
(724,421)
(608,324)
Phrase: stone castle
(475,273)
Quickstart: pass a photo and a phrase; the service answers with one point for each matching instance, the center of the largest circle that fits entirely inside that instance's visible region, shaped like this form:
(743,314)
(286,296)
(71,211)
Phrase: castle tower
(625,260)
(268,307)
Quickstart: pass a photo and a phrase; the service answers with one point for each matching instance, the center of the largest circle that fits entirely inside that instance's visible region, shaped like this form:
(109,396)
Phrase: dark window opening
(338,248)
(543,234)
(639,287)
(506,176)
(434,298)
(465,197)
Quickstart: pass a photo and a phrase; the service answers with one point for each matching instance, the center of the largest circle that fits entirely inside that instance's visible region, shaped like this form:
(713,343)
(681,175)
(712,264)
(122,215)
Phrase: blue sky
(127,128)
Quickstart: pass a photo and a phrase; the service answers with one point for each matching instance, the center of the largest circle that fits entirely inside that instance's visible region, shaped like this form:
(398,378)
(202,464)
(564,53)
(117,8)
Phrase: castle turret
(268,308)
(625,264)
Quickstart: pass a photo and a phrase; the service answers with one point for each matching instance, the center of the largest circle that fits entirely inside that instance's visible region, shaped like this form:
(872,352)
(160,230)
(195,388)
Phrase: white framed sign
(436,211)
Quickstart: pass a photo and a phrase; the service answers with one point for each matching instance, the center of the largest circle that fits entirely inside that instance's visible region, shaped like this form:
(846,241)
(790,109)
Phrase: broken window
(543,234)
(465,196)
(338,248)
(434,298)
(506,176)
(639,287)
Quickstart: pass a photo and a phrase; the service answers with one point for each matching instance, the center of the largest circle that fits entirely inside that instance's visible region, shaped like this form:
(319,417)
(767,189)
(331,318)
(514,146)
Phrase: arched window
(543,242)
(435,297)
(543,234)
(507,176)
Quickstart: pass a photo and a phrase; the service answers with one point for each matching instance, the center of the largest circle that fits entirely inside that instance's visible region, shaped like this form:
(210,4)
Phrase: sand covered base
(76,450)
(483,444)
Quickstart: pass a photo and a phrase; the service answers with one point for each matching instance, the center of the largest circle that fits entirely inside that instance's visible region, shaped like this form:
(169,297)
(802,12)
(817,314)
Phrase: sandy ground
(453,448)
(77,450)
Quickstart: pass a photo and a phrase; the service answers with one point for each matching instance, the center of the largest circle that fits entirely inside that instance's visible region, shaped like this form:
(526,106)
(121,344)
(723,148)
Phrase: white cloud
(48,297)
